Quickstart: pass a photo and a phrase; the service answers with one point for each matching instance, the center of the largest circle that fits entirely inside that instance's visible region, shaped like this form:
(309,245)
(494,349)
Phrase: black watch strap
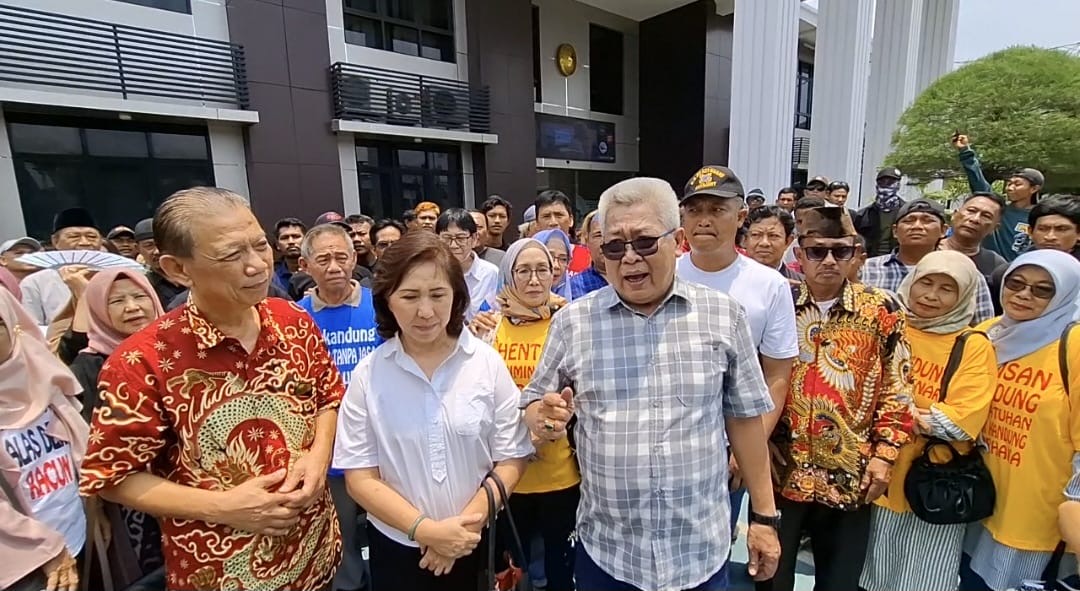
(771,521)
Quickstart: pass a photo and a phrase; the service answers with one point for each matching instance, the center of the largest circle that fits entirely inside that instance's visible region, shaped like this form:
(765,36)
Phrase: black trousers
(396,567)
(839,540)
(553,515)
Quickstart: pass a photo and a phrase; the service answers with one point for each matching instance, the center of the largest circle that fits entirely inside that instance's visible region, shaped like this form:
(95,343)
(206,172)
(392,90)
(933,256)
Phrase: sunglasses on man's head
(820,253)
(643,245)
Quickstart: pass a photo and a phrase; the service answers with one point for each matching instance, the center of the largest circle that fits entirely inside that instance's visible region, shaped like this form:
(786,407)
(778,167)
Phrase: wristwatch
(773,522)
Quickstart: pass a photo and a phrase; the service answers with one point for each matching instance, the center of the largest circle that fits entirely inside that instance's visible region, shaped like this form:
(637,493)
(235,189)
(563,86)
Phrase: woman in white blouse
(427,416)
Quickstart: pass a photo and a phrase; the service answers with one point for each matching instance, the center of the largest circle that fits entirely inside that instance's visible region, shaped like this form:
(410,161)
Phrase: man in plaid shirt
(661,374)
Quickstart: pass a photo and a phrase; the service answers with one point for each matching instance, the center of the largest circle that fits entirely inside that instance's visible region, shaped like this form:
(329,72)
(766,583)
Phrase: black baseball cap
(921,206)
(755,194)
(1030,175)
(144,230)
(818,180)
(890,172)
(717,181)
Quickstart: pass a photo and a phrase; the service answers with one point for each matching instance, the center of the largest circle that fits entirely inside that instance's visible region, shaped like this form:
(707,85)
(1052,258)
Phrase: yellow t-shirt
(554,467)
(1032,433)
(967,404)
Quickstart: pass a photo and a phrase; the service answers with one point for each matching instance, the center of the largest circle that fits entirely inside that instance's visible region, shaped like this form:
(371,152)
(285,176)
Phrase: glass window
(537,82)
(172,5)
(367,155)
(178,146)
(804,95)
(395,177)
(412,159)
(422,28)
(44,139)
(605,70)
(117,143)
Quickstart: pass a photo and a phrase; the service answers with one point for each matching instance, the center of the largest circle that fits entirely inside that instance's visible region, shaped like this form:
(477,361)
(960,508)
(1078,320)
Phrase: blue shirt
(586,282)
(282,275)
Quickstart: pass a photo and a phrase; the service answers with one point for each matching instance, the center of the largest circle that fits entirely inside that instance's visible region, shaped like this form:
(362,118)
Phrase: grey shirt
(44,295)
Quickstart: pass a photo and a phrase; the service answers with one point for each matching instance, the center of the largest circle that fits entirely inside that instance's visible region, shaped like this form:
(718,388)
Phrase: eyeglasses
(820,253)
(1043,292)
(455,239)
(523,275)
(643,245)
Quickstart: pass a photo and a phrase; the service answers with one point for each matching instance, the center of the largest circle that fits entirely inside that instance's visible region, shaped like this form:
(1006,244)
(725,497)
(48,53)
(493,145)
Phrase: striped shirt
(887,271)
(651,393)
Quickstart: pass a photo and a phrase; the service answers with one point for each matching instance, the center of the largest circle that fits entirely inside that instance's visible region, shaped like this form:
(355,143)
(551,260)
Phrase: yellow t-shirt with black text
(1032,433)
(967,402)
(554,467)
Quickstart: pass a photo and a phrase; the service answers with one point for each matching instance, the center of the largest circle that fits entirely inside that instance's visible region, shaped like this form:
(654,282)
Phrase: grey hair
(306,246)
(654,192)
(178,216)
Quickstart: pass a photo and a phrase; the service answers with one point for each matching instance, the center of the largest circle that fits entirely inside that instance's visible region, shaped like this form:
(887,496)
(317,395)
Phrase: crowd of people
(349,405)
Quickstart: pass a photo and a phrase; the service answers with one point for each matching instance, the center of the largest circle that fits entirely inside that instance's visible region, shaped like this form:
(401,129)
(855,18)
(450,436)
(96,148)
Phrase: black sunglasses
(820,253)
(643,245)
(1042,292)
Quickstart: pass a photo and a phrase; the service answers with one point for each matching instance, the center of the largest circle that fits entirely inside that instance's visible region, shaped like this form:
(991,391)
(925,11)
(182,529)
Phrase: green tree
(1019,106)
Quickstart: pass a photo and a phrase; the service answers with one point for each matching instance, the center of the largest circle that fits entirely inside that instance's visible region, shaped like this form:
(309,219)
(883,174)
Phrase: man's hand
(435,562)
(735,481)
(876,478)
(764,551)
(252,507)
(310,470)
(76,277)
(450,537)
(548,421)
(61,573)
(960,141)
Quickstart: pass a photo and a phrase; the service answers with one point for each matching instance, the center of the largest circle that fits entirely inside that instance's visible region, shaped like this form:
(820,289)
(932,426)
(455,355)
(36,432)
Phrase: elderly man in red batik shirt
(219,417)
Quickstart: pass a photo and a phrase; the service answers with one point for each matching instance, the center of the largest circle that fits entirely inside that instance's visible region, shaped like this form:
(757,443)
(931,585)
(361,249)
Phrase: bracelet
(416,524)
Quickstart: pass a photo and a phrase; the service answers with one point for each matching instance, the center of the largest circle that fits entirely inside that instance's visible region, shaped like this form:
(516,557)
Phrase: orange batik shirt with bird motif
(850,395)
(187,403)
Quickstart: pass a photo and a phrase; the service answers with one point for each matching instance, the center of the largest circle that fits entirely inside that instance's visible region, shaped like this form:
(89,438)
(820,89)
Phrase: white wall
(227,154)
(567,21)
(11,213)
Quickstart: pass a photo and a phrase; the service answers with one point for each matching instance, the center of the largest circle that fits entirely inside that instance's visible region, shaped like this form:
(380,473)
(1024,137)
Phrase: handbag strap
(956,356)
(492,514)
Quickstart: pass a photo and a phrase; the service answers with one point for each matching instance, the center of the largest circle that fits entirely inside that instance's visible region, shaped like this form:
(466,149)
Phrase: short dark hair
(413,249)
(495,201)
(408,215)
(769,212)
(289,223)
(382,225)
(836,185)
(787,190)
(551,197)
(178,215)
(809,203)
(1001,203)
(1065,206)
(359,218)
(456,216)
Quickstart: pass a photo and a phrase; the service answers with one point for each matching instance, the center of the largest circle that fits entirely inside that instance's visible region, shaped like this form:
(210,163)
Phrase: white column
(894,62)
(841,69)
(227,155)
(937,41)
(12,224)
(764,62)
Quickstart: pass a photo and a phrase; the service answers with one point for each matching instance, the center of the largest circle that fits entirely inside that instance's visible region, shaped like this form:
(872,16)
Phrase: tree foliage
(1020,107)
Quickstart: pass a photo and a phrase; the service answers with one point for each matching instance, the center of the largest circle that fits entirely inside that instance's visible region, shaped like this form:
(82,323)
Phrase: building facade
(372,106)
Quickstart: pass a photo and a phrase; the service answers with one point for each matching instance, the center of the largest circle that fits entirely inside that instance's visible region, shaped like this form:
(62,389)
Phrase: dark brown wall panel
(292,159)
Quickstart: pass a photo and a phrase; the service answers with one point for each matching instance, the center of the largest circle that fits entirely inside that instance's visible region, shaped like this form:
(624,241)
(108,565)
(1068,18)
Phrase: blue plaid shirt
(887,271)
(586,282)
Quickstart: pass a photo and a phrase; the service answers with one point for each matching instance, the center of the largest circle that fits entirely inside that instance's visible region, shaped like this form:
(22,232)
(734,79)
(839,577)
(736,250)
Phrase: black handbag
(960,490)
(512,573)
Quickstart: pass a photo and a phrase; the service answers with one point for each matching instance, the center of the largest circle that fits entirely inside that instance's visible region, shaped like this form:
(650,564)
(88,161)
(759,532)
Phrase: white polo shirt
(433,441)
(763,293)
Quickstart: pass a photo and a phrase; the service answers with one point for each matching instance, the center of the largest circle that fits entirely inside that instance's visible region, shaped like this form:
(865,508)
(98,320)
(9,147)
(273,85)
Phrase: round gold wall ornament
(566,59)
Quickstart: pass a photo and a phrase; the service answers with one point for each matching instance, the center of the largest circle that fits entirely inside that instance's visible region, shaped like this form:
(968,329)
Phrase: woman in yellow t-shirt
(939,298)
(1032,435)
(545,500)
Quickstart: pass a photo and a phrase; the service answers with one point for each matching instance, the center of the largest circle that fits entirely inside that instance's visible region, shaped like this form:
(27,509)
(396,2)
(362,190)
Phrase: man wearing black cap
(712,211)
(123,240)
(875,221)
(1022,187)
(919,228)
(166,290)
(847,412)
(817,187)
(45,294)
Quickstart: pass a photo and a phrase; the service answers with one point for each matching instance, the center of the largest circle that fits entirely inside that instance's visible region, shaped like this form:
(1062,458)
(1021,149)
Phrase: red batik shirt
(182,400)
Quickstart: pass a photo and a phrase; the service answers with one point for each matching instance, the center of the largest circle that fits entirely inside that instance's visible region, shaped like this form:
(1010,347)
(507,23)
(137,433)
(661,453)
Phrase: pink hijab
(32,378)
(11,282)
(104,339)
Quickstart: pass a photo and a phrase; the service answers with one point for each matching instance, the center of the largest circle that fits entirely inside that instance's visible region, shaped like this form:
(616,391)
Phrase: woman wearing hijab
(558,244)
(1033,433)
(545,501)
(44,440)
(11,283)
(939,298)
(117,304)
